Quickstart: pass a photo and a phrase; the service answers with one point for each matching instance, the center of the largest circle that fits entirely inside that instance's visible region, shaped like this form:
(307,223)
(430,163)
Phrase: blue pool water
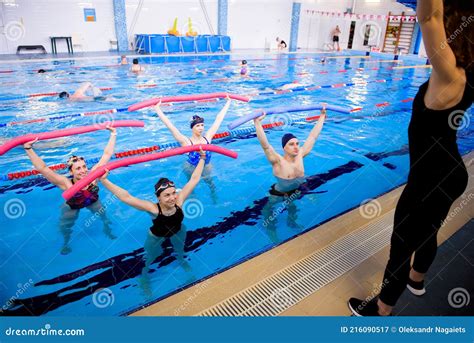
(230,217)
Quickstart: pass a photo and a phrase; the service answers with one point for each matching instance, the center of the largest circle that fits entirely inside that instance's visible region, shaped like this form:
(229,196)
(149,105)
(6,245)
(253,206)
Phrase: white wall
(315,30)
(34,21)
(251,23)
(157,16)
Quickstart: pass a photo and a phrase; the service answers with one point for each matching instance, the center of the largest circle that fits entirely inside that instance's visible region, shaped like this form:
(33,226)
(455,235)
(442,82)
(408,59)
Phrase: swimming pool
(229,217)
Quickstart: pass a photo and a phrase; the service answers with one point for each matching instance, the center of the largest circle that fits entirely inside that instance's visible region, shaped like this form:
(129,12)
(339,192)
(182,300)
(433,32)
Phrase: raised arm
(270,153)
(109,148)
(174,131)
(313,135)
(430,18)
(193,181)
(220,117)
(53,177)
(81,91)
(127,198)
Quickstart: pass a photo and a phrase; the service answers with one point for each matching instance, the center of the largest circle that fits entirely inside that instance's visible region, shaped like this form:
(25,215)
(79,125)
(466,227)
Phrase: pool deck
(331,299)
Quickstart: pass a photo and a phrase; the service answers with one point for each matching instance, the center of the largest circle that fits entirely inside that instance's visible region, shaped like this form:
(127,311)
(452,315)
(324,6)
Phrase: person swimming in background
(323,60)
(289,86)
(123,60)
(167,213)
(86,198)
(41,71)
(199,71)
(244,68)
(289,168)
(281,44)
(85,92)
(136,68)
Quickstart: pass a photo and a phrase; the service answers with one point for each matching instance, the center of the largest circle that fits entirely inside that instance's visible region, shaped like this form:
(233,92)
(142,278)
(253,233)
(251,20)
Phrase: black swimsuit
(167,226)
(437,177)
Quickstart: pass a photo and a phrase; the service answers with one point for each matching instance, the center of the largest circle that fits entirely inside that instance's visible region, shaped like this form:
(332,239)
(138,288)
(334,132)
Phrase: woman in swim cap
(197,128)
(85,198)
(197,137)
(244,68)
(167,213)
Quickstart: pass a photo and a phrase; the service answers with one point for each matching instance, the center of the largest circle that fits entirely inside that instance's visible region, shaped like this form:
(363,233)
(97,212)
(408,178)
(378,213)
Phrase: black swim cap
(162,185)
(286,137)
(244,61)
(196,120)
(40,71)
(63,95)
(135,61)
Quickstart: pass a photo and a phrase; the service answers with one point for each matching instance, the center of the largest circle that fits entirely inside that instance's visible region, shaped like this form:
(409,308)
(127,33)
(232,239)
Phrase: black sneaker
(362,308)
(416,287)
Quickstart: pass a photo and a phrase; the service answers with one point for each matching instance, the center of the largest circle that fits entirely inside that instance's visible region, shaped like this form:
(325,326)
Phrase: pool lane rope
(125,109)
(231,134)
(35,95)
(7,146)
(156,148)
(100,171)
(278,110)
(185,98)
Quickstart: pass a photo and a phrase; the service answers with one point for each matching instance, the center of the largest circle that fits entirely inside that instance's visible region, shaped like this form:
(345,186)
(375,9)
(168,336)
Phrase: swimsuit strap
(159,208)
(203,137)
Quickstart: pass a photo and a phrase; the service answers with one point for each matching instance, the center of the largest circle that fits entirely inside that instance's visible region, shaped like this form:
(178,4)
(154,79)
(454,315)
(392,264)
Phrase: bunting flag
(362,16)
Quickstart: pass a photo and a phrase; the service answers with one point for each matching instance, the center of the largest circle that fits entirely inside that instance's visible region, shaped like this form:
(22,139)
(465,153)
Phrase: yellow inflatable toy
(173,31)
(190,32)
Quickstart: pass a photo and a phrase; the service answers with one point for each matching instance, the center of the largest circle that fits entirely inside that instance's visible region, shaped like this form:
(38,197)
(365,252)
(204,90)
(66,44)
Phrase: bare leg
(152,249)
(292,215)
(206,177)
(416,276)
(178,241)
(66,222)
(384,309)
(98,210)
(270,214)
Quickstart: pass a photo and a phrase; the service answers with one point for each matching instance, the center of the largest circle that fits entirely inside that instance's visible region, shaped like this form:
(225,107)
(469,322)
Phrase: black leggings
(418,216)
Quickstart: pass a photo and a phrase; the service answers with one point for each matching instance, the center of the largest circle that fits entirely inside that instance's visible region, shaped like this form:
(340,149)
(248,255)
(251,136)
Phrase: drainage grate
(285,288)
